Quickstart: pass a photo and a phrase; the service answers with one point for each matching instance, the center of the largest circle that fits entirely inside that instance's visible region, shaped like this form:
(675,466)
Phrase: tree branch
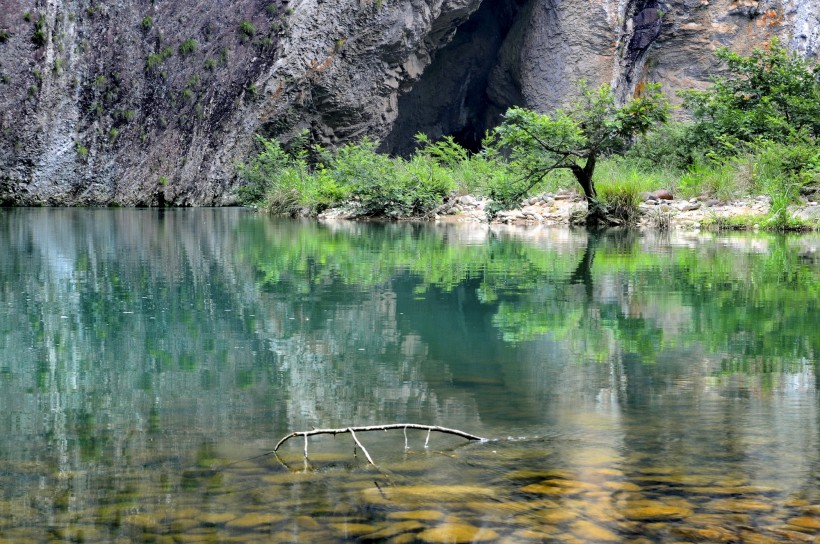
(353,430)
(564,154)
(356,439)
(539,175)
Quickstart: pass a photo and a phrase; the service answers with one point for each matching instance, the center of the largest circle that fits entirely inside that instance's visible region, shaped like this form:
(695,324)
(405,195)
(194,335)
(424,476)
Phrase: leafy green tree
(772,94)
(574,139)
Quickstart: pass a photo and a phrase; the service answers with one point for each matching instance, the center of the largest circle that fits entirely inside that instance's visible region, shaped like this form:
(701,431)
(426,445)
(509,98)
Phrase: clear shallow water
(635,388)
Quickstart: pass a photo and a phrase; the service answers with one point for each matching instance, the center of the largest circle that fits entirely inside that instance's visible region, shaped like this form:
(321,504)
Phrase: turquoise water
(633,388)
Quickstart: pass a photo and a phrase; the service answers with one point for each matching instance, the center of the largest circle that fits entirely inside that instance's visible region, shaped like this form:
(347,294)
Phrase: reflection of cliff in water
(124,328)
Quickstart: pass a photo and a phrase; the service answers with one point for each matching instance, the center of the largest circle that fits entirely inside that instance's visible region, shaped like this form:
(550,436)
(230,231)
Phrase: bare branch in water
(353,430)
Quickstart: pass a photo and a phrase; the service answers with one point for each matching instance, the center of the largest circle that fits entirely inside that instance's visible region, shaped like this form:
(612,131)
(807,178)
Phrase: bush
(772,94)
(39,37)
(246,30)
(669,146)
(155,59)
(282,183)
(474,173)
(187,47)
(381,185)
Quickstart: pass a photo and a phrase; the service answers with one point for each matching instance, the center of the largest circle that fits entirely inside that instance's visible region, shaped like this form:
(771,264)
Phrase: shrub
(147,23)
(668,145)
(282,183)
(771,94)
(187,47)
(39,37)
(82,151)
(155,59)
(246,30)
(260,174)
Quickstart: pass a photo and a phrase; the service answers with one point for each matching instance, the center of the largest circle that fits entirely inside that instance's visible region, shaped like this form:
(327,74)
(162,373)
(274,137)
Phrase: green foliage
(147,23)
(770,94)
(82,151)
(669,145)
(476,173)
(391,187)
(4,35)
(39,37)
(284,182)
(187,47)
(246,30)
(281,182)
(620,184)
(574,139)
(155,59)
(718,179)
(620,202)
(780,170)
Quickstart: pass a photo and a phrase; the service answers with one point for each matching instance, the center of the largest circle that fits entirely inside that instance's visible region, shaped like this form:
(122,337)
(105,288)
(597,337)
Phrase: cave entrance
(453,97)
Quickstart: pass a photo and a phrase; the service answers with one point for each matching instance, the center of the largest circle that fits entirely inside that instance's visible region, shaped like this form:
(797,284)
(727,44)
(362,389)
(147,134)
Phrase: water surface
(634,388)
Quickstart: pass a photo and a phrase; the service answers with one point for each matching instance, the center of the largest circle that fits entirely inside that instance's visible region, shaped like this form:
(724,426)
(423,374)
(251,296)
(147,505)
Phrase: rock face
(151,103)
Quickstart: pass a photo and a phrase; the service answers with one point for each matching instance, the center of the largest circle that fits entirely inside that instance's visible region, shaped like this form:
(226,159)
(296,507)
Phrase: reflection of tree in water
(245,326)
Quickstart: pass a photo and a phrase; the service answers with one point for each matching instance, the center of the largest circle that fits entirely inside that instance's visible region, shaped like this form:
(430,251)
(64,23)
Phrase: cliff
(153,102)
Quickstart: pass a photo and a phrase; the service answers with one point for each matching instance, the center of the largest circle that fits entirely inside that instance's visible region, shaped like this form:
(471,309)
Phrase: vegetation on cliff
(755,131)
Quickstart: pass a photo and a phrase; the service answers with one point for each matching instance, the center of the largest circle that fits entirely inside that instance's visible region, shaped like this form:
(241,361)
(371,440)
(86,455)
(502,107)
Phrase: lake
(631,387)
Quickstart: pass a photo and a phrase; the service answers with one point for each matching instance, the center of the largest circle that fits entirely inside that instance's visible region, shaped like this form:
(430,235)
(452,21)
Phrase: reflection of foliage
(304,257)
(616,295)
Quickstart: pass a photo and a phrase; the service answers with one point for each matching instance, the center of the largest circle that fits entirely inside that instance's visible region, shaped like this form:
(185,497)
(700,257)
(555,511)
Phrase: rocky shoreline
(658,209)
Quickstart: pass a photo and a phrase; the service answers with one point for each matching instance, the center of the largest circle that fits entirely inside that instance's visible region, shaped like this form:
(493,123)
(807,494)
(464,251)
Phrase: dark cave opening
(454,95)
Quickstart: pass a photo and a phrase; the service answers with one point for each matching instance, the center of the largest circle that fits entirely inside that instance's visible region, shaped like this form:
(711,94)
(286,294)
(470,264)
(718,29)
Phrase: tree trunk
(595,213)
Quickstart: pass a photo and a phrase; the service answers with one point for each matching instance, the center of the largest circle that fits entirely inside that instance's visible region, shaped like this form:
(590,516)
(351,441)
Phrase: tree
(772,94)
(575,139)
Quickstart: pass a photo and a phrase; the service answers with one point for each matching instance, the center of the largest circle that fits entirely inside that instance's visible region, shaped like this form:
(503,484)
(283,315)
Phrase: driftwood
(354,430)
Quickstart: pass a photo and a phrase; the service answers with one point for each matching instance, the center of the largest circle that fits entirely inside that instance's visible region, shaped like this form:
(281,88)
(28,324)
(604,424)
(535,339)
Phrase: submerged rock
(657,511)
(805,522)
(455,533)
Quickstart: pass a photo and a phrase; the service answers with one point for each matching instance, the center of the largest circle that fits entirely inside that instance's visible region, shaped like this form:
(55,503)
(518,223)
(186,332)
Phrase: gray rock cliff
(154,102)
